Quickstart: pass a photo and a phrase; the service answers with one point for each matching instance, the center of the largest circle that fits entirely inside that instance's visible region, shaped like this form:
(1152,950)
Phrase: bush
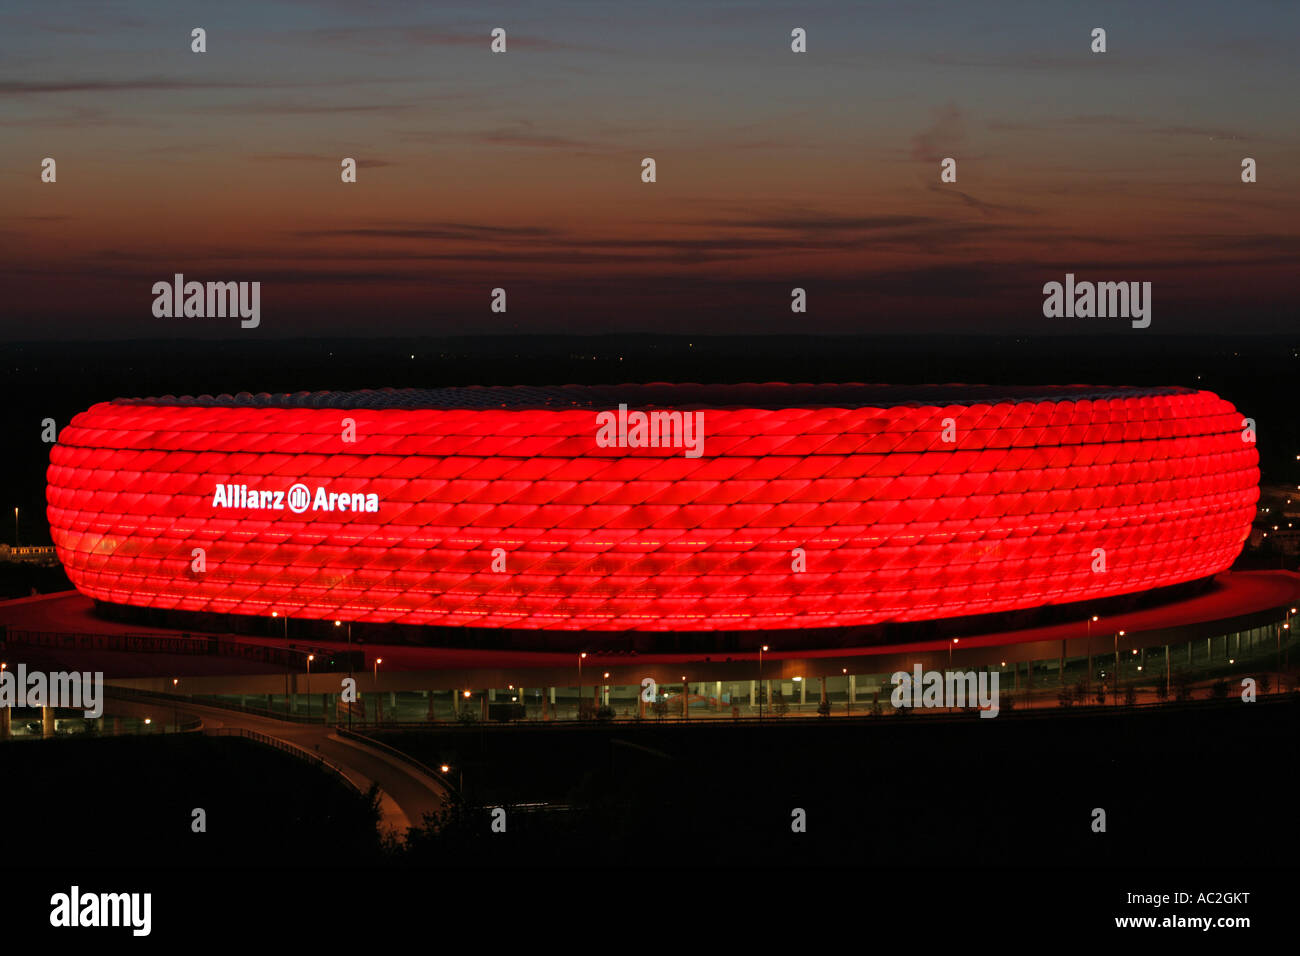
(1101,693)
(824,708)
(1130,696)
(1162,688)
(605,713)
(1219,690)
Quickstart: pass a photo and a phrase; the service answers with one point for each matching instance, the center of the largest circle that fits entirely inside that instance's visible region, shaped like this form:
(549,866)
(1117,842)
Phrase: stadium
(833,514)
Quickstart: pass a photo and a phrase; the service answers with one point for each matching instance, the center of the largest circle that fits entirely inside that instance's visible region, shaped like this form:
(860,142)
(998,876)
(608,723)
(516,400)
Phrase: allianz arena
(659,507)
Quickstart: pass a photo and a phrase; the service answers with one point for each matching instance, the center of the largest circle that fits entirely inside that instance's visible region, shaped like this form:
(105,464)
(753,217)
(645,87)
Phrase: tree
(779,706)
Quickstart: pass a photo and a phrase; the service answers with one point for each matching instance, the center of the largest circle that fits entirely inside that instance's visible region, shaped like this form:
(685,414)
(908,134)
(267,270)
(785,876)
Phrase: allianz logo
(296,499)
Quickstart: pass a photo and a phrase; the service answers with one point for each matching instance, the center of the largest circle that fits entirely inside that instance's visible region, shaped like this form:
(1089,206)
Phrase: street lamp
(15,527)
(1091,621)
(1118,635)
(286,671)
(760,681)
(581,657)
(954,641)
(350,673)
(310,658)
(445,768)
(848,696)
(1284,627)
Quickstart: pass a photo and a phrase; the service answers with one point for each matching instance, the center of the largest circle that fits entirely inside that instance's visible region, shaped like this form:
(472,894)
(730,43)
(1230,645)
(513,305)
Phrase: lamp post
(460,772)
(1281,628)
(760,681)
(1091,621)
(581,657)
(286,670)
(1118,635)
(310,658)
(950,646)
(848,693)
(176,716)
(350,673)
(15,527)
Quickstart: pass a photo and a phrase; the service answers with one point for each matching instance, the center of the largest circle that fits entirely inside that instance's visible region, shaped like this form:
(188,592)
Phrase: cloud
(942,137)
(24,88)
(312,158)
(386,39)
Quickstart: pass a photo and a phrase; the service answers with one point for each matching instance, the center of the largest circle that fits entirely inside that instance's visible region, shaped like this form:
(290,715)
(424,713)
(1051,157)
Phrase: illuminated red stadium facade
(799,506)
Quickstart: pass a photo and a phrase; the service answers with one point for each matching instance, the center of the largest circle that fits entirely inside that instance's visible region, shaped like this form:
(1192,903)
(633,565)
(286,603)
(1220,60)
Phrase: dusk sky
(523,170)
